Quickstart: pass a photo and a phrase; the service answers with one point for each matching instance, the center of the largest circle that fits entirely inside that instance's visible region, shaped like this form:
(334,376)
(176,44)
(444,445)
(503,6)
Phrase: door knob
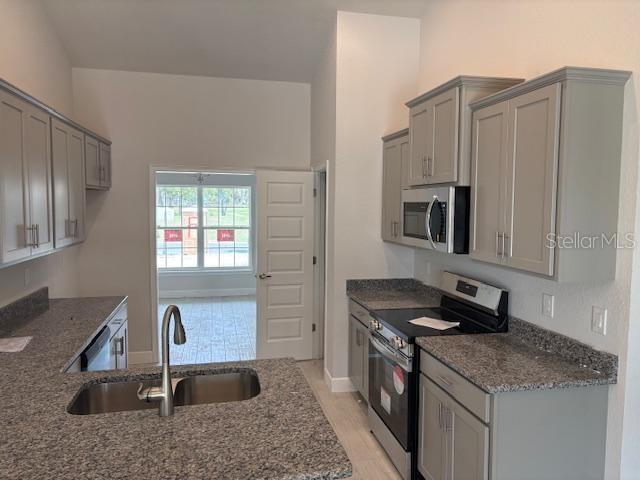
(262,276)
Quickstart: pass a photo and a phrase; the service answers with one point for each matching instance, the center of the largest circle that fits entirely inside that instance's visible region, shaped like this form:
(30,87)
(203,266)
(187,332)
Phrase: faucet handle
(143,393)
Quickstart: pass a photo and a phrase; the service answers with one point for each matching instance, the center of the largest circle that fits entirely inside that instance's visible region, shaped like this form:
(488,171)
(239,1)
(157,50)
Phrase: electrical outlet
(599,320)
(547,304)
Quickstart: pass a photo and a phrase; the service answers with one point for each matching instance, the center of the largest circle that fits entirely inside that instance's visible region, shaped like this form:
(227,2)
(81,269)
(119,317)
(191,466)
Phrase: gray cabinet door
(355,354)
(67,157)
(92,162)
(442,146)
(467,444)
(392,189)
(365,363)
(13,175)
(488,187)
(419,140)
(37,144)
(432,455)
(105,165)
(532,179)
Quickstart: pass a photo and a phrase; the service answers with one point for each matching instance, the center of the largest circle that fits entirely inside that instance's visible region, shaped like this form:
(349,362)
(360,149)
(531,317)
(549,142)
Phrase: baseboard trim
(140,358)
(338,384)
(214,292)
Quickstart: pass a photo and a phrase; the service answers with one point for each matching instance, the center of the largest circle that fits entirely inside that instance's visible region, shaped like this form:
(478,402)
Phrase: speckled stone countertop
(528,357)
(280,434)
(392,293)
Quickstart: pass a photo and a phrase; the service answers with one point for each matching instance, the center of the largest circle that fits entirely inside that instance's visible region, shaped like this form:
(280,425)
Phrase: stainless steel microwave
(436,218)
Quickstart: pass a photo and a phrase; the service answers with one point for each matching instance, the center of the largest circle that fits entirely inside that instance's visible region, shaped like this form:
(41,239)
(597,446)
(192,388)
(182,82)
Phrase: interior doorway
(205,245)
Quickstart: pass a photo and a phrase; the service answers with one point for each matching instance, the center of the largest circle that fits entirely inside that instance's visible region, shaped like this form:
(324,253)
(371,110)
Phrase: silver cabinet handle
(440,415)
(29,234)
(445,381)
(120,343)
(262,276)
(424,167)
(499,245)
(505,236)
(429,167)
(37,235)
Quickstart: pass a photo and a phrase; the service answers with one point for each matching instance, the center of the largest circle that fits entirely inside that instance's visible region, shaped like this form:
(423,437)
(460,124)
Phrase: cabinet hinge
(315,259)
(313,327)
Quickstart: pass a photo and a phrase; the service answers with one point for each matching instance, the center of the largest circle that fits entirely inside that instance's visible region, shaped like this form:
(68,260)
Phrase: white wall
(173,121)
(525,39)
(33,59)
(376,72)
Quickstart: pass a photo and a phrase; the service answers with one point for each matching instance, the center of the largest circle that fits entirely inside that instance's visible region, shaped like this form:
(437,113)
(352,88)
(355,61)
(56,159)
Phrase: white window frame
(201,269)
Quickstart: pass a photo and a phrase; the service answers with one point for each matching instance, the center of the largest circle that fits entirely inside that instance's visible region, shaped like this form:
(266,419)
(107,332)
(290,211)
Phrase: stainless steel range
(393,359)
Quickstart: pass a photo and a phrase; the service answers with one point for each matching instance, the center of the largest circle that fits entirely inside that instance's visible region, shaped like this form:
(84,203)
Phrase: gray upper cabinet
(97,164)
(395,159)
(105,165)
(25,192)
(439,129)
(92,162)
(537,151)
(67,158)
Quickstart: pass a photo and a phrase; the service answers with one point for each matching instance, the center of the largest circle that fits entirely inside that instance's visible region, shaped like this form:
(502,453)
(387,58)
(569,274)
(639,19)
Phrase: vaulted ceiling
(257,39)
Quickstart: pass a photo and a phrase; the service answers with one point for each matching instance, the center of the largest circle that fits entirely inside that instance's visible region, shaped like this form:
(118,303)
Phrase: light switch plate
(547,304)
(599,320)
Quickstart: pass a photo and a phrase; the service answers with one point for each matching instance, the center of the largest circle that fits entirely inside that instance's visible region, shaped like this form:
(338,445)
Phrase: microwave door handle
(427,222)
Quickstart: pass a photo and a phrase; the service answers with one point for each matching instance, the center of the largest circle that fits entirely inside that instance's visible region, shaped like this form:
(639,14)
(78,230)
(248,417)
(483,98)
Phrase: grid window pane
(226,223)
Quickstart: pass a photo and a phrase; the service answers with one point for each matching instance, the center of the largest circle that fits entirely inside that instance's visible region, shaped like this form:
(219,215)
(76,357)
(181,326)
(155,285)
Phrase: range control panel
(472,291)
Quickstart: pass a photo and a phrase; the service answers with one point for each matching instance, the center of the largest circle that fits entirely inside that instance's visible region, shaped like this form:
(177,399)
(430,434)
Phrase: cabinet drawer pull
(445,381)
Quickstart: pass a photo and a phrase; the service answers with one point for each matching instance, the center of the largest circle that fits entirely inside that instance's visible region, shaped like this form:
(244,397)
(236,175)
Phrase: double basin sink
(192,390)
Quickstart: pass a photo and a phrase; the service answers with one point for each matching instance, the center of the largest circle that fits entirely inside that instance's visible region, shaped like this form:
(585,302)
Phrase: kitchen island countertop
(280,434)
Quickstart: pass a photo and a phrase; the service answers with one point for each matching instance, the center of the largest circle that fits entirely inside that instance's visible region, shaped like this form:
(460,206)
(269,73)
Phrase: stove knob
(375,325)
(398,342)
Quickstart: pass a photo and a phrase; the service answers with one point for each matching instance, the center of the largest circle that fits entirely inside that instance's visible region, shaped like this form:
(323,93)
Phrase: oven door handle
(390,354)
(427,221)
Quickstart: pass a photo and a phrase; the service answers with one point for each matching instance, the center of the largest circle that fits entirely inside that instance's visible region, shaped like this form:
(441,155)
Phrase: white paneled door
(284,264)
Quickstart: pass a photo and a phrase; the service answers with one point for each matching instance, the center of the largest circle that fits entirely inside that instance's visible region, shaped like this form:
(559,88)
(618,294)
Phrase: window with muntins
(206,227)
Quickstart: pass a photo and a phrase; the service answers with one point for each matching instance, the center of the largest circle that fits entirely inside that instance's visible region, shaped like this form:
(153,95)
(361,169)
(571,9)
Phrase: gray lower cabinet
(120,347)
(395,158)
(465,433)
(67,158)
(359,348)
(536,161)
(454,443)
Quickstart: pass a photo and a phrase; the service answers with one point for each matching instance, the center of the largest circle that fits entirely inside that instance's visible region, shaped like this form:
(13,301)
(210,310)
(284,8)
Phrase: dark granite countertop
(392,293)
(528,357)
(280,434)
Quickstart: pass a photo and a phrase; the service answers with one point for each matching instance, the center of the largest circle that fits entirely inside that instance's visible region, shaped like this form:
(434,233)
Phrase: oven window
(390,395)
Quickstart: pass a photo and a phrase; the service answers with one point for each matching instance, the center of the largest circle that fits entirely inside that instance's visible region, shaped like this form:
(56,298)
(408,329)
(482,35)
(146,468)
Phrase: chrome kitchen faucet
(164,393)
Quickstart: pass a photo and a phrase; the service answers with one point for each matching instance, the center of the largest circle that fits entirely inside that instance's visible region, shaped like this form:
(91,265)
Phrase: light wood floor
(347,413)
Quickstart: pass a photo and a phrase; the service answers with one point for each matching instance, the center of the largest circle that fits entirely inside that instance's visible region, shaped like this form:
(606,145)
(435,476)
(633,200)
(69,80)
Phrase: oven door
(391,389)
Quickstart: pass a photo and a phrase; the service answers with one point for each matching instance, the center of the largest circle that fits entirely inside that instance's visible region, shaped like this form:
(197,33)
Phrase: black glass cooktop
(398,321)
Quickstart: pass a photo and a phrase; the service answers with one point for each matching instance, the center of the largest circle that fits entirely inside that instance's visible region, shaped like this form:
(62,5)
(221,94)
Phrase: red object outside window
(226,235)
(173,235)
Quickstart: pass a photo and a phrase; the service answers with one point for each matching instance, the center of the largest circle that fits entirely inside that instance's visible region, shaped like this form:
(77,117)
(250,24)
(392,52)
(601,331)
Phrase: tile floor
(219,329)
(347,413)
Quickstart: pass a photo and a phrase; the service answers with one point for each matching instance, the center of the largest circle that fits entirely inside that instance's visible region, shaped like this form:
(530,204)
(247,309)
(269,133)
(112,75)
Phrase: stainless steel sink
(193,390)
